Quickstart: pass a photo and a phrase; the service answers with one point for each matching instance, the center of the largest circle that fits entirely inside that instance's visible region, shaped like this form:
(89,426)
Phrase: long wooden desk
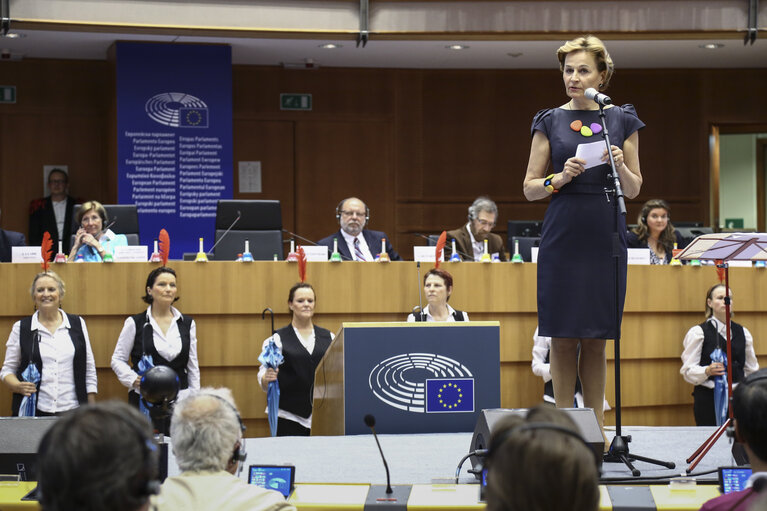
(226,300)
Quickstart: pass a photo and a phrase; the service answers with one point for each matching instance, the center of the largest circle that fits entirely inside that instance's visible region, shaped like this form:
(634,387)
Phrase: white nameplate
(426,254)
(316,252)
(639,256)
(26,255)
(741,264)
(534,254)
(131,253)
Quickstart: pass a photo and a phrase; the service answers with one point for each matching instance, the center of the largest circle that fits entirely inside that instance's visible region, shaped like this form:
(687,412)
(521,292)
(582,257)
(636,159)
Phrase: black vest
(143,343)
(421,316)
(712,340)
(30,353)
(296,375)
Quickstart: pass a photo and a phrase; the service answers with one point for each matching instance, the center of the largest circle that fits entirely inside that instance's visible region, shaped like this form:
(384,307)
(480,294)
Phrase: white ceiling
(401,54)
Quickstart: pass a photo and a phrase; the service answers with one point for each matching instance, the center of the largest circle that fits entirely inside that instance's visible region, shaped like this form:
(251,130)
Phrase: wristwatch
(547,184)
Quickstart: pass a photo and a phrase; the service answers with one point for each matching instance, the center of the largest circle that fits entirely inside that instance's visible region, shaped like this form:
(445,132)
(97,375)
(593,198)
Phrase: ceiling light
(457,47)
(711,46)
(330,46)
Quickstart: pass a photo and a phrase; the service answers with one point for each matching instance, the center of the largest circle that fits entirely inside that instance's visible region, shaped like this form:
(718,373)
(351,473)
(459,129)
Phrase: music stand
(723,247)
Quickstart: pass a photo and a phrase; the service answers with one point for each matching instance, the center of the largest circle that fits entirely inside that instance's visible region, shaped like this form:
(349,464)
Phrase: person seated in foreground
(98,457)
(655,231)
(540,463)
(437,286)
(750,412)
(355,243)
(470,239)
(206,429)
(94,239)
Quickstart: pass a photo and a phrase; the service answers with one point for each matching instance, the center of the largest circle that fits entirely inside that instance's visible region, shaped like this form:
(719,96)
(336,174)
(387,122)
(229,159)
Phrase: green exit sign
(7,93)
(295,101)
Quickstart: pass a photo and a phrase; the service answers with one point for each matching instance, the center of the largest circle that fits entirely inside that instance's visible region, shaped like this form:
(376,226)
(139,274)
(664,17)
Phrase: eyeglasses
(485,223)
(57,182)
(349,214)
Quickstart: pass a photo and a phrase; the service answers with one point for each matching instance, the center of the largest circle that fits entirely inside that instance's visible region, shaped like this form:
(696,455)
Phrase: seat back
(263,244)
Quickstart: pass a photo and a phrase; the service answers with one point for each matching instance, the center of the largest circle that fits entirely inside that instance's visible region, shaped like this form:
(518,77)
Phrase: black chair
(432,240)
(124,216)
(690,233)
(260,222)
(526,243)
(526,228)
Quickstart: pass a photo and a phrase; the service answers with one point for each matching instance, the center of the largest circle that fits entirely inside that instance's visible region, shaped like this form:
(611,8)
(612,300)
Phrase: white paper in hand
(591,153)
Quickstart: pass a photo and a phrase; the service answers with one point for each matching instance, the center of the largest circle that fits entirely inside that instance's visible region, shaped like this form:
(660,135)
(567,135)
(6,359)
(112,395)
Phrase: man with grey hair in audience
(206,432)
(470,239)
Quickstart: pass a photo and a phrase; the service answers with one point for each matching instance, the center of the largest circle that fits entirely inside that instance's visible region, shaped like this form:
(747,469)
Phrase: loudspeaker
(584,418)
(19,440)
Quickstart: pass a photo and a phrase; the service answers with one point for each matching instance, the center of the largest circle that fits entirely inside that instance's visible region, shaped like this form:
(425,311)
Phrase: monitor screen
(273,477)
(733,478)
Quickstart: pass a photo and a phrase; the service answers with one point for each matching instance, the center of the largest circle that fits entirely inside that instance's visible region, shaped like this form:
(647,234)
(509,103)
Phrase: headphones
(498,440)
(748,380)
(240,452)
(340,205)
(148,485)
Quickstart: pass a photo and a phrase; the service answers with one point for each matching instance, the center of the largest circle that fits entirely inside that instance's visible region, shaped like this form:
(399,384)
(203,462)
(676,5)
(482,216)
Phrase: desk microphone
(378,495)
(465,257)
(239,215)
(314,243)
(370,422)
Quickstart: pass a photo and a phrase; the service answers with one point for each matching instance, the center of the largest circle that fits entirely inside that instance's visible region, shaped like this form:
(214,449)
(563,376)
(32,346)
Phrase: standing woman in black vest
(162,332)
(701,340)
(58,344)
(303,344)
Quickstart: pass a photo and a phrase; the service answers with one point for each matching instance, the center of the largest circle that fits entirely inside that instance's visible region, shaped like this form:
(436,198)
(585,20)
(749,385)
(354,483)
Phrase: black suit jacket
(372,238)
(9,239)
(42,218)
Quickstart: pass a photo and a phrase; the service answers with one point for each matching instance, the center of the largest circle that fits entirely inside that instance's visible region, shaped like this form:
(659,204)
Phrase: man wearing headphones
(99,456)
(206,429)
(355,243)
(749,402)
(470,239)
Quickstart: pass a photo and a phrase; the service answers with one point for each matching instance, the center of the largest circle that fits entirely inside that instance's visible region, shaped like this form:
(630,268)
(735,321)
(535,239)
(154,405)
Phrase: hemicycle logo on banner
(177,110)
(423,383)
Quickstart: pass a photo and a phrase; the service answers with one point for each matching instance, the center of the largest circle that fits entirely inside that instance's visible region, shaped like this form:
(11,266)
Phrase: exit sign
(295,101)
(7,93)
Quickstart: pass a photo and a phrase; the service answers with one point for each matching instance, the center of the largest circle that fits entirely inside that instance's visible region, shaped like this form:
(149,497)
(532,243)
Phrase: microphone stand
(225,233)
(619,447)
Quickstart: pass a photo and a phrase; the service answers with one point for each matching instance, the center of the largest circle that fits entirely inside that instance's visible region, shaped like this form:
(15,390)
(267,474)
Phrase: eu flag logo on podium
(192,117)
(450,395)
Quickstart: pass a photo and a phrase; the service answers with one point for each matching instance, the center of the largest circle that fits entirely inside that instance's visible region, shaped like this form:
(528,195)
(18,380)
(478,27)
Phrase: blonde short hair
(593,46)
(55,277)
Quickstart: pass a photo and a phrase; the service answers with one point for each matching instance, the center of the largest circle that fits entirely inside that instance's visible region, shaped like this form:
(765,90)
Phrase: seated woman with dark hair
(93,239)
(162,332)
(654,231)
(540,463)
(438,286)
(57,343)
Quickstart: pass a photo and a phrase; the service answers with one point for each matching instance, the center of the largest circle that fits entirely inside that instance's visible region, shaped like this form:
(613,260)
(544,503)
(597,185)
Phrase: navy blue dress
(576,266)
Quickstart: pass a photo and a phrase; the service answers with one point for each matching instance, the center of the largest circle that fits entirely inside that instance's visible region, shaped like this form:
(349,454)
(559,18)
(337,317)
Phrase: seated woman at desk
(701,340)
(302,344)
(438,286)
(57,343)
(94,239)
(654,231)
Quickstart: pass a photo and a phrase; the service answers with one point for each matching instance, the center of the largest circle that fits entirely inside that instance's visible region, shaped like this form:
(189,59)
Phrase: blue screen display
(734,479)
(272,478)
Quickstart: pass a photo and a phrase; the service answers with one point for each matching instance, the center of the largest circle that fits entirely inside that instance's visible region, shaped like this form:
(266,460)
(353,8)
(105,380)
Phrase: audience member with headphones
(355,243)
(750,412)
(654,231)
(541,463)
(99,456)
(208,443)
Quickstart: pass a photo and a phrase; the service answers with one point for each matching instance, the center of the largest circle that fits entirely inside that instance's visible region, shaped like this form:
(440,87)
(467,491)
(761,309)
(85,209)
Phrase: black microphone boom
(370,422)
(598,97)
(239,215)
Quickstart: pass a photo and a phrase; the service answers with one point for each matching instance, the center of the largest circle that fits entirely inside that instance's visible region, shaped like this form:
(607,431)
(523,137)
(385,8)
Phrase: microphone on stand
(598,97)
(465,257)
(379,495)
(370,422)
(239,215)
(314,243)
(420,302)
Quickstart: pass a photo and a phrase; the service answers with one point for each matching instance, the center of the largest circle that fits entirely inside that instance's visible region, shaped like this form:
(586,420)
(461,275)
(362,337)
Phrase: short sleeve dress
(576,258)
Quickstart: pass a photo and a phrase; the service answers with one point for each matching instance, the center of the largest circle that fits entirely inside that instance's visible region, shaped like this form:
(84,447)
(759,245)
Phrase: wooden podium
(413,377)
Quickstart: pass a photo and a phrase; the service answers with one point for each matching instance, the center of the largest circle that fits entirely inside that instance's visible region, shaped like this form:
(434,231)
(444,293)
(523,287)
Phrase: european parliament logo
(423,383)
(177,110)
(450,395)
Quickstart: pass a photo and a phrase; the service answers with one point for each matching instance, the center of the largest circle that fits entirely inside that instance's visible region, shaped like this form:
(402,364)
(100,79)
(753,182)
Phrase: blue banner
(174,138)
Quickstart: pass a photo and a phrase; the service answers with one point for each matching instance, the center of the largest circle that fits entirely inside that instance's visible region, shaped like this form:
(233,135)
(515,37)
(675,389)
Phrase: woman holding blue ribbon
(583,236)
(94,240)
(49,363)
(704,359)
(159,336)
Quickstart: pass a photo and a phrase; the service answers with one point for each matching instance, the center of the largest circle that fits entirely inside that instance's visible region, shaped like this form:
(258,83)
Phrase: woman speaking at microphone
(92,240)
(438,286)
(576,263)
